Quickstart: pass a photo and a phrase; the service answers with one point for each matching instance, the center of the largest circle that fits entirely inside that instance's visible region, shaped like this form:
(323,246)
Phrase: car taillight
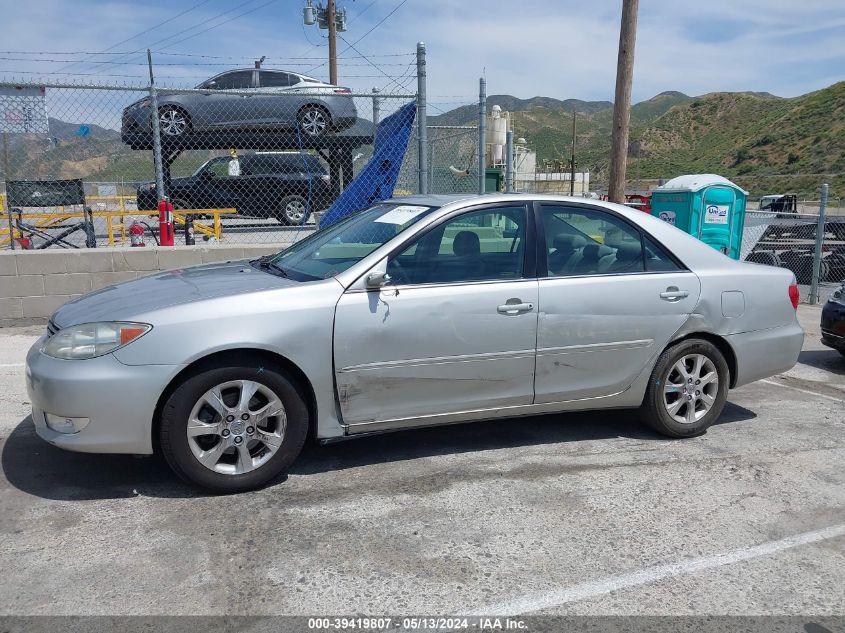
(793,295)
(342,91)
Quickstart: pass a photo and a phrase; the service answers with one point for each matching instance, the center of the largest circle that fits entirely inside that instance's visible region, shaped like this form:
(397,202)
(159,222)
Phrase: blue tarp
(376,181)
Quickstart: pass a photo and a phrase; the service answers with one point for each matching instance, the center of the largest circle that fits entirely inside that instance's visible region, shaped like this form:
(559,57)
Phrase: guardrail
(115,219)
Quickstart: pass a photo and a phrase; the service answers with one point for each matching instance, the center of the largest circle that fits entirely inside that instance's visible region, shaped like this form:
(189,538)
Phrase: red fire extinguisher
(165,223)
(136,234)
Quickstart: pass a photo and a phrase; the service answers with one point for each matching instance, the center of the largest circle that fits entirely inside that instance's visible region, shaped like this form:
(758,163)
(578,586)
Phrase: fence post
(376,106)
(482,132)
(165,221)
(509,161)
(817,251)
(159,170)
(422,123)
(6,204)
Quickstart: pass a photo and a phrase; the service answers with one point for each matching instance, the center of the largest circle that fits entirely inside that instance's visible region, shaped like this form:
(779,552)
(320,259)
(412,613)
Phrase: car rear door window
(583,241)
(657,258)
(273,79)
(237,80)
(483,245)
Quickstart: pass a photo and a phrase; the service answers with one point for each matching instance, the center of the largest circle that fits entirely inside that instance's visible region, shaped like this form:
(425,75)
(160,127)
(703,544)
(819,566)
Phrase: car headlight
(90,340)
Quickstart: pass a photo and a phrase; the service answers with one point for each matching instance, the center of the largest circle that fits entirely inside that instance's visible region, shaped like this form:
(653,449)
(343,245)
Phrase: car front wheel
(172,121)
(314,120)
(687,389)
(231,429)
(293,211)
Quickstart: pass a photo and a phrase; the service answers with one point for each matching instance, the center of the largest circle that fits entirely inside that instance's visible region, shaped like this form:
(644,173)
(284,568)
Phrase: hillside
(763,142)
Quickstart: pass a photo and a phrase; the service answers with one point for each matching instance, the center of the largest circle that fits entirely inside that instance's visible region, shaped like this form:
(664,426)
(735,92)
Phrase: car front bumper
(833,325)
(115,402)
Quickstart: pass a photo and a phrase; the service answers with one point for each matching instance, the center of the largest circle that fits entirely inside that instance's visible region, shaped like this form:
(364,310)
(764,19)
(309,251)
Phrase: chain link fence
(801,242)
(250,156)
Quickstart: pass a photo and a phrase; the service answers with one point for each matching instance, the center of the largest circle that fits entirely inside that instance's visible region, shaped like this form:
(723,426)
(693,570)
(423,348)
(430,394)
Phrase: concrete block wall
(33,284)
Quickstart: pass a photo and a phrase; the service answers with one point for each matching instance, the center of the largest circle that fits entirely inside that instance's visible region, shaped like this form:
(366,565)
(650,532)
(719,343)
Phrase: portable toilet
(706,206)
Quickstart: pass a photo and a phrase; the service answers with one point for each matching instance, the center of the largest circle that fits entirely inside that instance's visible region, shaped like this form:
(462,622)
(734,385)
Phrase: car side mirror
(378,279)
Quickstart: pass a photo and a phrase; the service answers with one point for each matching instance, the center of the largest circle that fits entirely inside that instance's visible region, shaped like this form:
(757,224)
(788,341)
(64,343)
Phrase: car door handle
(514,308)
(672,293)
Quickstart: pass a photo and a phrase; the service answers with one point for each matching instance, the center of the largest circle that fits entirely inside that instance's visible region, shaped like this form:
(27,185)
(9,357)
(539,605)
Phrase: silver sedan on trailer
(419,311)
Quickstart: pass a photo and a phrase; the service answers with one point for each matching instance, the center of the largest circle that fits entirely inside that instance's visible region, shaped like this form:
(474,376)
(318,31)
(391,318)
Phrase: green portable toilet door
(718,219)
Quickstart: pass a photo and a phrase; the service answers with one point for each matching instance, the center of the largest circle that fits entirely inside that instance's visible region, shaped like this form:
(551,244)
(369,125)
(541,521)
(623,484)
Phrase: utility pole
(622,101)
(332,43)
(572,160)
(329,18)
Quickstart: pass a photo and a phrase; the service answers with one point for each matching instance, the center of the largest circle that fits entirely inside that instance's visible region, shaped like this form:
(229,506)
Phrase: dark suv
(287,186)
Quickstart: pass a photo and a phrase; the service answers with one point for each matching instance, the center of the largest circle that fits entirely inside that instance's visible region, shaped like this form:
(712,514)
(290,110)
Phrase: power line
(206,21)
(163,53)
(179,64)
(237,17)
(374,27)
(129,39)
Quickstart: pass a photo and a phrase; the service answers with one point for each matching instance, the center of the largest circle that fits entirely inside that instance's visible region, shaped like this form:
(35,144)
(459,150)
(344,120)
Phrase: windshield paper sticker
(716,214)
(401,214)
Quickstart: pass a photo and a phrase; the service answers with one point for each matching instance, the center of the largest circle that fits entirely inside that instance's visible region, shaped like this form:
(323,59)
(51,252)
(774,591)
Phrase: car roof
(433,199)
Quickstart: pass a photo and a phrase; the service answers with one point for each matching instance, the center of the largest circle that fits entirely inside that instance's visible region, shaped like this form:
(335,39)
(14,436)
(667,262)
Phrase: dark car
(247,99)
(287,186)
(833,320)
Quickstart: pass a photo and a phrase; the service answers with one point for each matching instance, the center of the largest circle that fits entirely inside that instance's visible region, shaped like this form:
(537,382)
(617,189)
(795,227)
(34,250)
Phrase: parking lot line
(807,391)
(558,597)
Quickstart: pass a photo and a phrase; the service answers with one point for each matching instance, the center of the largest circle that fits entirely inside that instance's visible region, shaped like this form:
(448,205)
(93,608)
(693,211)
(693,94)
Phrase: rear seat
(628,257)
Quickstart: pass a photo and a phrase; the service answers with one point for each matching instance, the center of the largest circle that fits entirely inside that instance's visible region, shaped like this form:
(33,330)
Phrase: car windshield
(326,253)
(203,166)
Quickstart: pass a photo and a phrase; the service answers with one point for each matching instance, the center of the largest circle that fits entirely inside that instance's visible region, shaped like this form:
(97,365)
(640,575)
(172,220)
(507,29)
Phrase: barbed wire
(246,57)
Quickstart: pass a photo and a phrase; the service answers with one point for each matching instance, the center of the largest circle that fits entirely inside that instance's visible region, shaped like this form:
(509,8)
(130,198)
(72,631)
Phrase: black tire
(174,122)
(293,210)
(653,410)
(177,410)
(314,120)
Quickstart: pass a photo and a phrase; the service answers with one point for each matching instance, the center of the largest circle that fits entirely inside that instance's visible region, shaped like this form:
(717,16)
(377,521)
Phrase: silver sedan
(415,312)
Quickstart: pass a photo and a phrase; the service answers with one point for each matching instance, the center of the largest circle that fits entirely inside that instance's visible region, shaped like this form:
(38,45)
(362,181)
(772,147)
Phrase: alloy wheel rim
(690,388)
(236,427)
(313,122)
(295,210)
(172,122)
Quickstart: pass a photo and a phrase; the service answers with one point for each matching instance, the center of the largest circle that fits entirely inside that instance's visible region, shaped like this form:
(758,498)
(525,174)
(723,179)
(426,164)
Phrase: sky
(563,49)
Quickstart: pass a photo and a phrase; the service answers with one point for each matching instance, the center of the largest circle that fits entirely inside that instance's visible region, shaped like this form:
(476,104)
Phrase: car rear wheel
(230,429)
(687,389)
(293,211)
(314,120)
(172,121)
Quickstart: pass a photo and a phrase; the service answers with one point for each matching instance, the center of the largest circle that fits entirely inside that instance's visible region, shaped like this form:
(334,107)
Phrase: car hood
(128,300)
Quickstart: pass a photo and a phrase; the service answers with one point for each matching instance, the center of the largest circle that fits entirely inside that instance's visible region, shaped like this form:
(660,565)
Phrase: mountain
(468,114)
(765,143)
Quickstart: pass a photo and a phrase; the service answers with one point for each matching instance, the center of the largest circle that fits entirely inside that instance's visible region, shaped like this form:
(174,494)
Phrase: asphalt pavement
(560,514)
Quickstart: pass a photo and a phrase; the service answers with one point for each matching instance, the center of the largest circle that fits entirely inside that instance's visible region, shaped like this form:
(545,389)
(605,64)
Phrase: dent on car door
(454,332)
(611,301)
